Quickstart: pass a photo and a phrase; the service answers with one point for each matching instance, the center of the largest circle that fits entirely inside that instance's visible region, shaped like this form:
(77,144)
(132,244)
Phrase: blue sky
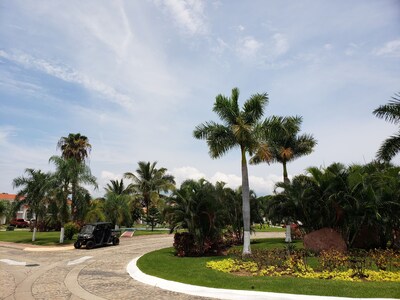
(136,77)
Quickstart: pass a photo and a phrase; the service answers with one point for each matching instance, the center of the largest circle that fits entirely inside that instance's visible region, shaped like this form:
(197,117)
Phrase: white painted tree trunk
(288,238)
(116,227)
(34,234)
(62,235)
(245,206)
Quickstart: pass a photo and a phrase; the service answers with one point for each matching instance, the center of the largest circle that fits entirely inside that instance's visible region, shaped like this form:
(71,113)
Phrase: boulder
(324,239)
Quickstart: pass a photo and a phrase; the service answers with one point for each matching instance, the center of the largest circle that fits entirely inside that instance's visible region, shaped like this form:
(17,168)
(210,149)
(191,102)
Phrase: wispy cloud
(68,74)
(248,47)
(391,48)
(187,14)
(280,43)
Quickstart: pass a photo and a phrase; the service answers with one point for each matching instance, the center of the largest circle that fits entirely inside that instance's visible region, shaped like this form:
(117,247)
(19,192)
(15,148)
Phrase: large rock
(324,239)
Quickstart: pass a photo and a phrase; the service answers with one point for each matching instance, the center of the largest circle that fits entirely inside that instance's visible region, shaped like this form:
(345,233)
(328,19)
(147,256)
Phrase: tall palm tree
(282,143)
(237,130)
(67,178)
(149,182)
(34,188)
(74,146)
(391,113)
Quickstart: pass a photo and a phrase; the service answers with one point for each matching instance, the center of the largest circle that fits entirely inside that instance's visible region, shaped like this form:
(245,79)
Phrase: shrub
(70,229)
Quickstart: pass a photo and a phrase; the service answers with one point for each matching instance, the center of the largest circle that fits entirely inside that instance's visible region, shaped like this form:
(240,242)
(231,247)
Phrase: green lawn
(149,232)
(52,238)
(164,264)
(266,228)
(25,236)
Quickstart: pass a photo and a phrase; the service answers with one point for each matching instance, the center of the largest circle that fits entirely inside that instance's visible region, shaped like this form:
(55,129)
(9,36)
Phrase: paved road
(80,274)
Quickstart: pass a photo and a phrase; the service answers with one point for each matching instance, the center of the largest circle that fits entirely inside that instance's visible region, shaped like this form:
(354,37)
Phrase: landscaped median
(193,270)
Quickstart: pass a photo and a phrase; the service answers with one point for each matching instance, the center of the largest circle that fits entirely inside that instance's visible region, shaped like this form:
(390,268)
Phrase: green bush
(70,229)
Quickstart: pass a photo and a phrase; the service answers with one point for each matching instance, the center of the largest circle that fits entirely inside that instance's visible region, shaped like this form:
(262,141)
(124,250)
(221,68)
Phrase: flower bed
(375,265)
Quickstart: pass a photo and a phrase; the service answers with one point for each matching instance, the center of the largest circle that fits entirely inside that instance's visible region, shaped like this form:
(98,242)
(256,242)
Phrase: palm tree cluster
(274,139)
(48,194)
(211,215)
(360,201)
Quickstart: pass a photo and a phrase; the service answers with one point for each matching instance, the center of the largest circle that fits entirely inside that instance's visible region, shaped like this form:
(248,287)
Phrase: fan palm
(74,146)
(391,113)
(281,142)
(237,130)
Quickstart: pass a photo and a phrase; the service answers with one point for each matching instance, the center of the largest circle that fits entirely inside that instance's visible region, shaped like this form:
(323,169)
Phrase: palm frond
(389,148)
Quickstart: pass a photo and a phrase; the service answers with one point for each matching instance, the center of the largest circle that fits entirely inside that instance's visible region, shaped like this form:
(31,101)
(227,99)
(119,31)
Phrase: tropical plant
(361,202)
(68,178)
(391,113)
(281,142)
(195,207)
(117,187)
(148,183)
(237,130)
(154,217)
(96,211)
(116,209)
(34,193)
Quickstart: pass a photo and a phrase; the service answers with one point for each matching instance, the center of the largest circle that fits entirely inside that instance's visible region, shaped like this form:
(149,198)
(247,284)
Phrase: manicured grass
(149,232)
(52,238)
(163,263)
(264,228)
(25,236)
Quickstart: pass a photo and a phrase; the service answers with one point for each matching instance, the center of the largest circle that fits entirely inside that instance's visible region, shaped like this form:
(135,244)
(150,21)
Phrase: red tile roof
(8,197)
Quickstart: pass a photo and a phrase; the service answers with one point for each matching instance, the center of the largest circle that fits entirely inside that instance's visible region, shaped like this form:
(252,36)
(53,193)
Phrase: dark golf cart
(96,234)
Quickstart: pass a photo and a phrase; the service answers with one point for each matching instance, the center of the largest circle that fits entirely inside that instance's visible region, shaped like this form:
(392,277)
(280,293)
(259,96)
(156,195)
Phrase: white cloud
(220,47)
(281,44)
(5,132)
(183,173)
(391,48)
(68,74)
(248,47)
(188,15)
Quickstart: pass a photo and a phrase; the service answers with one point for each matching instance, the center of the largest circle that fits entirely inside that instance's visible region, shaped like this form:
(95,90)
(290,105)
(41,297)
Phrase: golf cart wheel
(116,241)
(89,245)
(77,245)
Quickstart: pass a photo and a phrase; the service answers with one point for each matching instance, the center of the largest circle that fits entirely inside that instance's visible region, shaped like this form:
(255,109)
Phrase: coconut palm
(391,113)
(237,130)
(148,182)
(74,146)
(282,143)
(34,191)
(117,187)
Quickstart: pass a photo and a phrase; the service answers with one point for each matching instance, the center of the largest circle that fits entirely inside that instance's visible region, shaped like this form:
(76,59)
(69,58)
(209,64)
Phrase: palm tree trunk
(245,205)
(285,173)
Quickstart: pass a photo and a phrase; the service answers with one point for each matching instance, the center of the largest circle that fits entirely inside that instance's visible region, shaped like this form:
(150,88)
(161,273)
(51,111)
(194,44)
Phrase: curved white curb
(195,290)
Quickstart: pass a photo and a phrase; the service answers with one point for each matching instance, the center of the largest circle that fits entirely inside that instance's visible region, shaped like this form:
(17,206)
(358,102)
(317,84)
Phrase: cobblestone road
(100,274)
